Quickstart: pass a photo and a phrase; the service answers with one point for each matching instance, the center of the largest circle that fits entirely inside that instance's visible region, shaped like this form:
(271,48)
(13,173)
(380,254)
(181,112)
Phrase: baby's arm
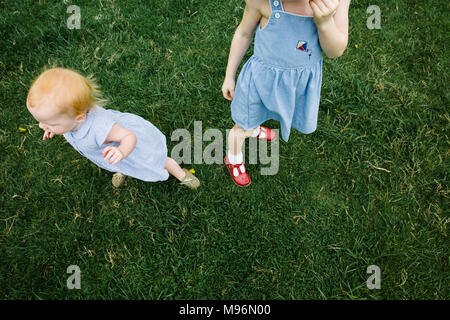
(127,140)
(240,43)
(333,31)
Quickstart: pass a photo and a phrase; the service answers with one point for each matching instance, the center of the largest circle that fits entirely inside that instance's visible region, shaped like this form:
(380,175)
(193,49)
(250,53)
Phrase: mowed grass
(369,187)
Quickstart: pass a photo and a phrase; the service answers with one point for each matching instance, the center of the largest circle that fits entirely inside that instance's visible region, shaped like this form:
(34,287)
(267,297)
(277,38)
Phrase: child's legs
(236,138)
(174,169)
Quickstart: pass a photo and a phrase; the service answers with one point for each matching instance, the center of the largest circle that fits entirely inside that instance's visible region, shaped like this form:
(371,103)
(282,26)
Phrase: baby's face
(52,120)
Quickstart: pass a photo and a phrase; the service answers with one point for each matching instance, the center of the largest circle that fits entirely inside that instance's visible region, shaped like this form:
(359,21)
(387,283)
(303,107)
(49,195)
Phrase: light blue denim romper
(148,158)
(283,78)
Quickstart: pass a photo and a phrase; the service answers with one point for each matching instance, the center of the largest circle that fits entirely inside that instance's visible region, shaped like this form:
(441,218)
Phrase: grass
(370,186)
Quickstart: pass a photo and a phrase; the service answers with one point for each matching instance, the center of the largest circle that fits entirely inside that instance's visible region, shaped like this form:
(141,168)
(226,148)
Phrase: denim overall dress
(283,78)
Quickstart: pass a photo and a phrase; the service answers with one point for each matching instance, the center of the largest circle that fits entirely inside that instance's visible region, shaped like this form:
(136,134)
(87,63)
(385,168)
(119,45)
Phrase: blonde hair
(66,90)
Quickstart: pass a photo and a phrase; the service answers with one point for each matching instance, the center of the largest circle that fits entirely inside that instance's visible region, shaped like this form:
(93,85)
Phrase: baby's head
(59,99)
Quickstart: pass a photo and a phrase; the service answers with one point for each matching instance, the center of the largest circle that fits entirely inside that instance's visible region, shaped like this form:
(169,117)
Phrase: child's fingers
(323,8)
(116,158)
(113,156)
(227,94)
(108,154)
(105,151)
(111,159)
(52,135)
(331,5)
(315,9)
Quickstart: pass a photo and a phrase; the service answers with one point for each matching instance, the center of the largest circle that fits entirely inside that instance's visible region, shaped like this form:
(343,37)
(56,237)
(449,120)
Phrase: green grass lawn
(369,187)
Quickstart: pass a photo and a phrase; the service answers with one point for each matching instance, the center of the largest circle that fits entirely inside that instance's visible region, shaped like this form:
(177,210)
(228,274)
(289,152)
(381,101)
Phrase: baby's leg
(174,169)
(183,175)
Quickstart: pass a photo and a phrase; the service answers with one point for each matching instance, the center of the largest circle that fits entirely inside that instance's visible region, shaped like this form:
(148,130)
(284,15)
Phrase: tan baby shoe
(190,180)
(117,179)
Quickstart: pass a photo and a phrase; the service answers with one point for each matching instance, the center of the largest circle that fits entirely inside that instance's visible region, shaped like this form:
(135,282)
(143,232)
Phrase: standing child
(282,80)
(64,102)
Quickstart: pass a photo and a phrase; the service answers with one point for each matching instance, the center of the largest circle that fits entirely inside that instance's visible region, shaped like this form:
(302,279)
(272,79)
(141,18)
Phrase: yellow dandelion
(22,129)
(192,171)
(356,46)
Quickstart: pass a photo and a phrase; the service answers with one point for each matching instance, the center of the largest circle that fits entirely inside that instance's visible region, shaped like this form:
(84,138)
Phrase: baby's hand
(228,88)
(112,155)
(48,135)
(323,10)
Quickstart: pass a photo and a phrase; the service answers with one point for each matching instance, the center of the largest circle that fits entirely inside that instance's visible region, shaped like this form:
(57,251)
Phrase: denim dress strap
(276,5)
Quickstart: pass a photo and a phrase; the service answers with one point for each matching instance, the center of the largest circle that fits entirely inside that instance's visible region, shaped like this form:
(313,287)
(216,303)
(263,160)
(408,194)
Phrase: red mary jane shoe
(238,174)
(266,134)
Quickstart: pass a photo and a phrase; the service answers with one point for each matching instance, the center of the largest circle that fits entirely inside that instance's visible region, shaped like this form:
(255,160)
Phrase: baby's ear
(81,117)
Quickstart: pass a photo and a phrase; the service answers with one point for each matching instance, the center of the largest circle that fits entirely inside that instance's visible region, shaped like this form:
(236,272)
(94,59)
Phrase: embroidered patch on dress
(303,46)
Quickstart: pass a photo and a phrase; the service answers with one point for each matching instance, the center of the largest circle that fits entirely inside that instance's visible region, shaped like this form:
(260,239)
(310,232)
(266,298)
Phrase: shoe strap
(240,168)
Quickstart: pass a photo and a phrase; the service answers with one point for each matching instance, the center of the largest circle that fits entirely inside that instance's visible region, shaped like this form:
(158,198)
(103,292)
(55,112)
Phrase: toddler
(64,102)
(283,78)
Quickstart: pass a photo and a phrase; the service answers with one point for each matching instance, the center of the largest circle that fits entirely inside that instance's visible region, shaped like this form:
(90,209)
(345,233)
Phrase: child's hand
(323,10)
(48,135)
(228,88)
(112,155)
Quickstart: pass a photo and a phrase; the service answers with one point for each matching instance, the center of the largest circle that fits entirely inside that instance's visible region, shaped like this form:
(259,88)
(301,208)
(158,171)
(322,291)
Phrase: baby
(64,102)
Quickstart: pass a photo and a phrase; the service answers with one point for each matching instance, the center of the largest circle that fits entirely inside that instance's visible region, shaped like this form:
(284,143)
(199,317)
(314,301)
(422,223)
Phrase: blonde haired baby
(66,103)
